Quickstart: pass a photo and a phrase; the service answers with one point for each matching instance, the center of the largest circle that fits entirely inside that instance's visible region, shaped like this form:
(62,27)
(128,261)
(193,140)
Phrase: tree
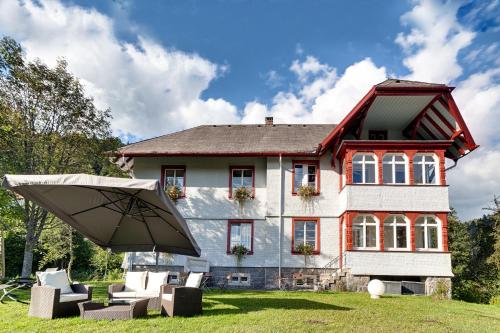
(47,126)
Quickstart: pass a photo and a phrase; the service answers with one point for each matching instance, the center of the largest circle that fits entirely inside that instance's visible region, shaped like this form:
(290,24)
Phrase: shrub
(306,250)
(442,291)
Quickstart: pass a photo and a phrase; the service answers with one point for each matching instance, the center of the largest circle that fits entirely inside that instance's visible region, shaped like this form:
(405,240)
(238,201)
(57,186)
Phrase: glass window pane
(247,173)
(357,235)
(418,159)
(246,235)
(430,176)
(369,158)
(311,169)
(299,175)
(247,182)
(429,158)
(371,236)
(299,233)
(417,173)
(369,219)
(399,158)
(431,220)
(387,158)
(419,237)
(237,173)
(401,236)
(357,158)
(357,173)
(388,237)
(400,220)
(387,173)
(400,174)
(179,182)
(370,173)
(432,237)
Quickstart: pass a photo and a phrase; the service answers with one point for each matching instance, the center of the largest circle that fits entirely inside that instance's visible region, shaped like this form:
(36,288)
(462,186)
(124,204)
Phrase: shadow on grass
(245,305)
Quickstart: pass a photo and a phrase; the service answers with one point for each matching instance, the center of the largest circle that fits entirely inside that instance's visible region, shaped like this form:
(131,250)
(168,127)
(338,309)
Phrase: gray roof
(397,83)
(234,140)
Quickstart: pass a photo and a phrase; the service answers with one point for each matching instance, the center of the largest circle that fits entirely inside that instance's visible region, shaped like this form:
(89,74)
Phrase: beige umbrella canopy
(117,213)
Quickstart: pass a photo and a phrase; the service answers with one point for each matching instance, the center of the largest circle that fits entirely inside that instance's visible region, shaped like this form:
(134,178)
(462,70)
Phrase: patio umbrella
(117,213)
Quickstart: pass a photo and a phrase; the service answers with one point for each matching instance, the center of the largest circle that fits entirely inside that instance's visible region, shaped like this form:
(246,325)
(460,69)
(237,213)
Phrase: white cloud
(333,105)
(432,49)
(434,41)
(145,85)
(254,113)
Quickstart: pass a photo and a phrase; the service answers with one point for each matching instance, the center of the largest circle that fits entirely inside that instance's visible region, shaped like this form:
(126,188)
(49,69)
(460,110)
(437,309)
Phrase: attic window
(377,134)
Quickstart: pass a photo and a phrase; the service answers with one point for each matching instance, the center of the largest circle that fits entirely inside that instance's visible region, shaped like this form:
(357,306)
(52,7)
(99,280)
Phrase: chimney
(269,121)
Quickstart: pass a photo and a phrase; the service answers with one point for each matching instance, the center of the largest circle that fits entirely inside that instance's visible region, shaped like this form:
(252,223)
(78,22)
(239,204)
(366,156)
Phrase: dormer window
(364,169)
(424,169)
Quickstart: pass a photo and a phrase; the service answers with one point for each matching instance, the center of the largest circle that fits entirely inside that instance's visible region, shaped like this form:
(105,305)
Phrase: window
(424,169)
(394,169)
(305,231)
(241,176)
(427,235)
(305,173)
(364,168)
(377,135)
(174,176)
(396,233)
(240,232)
(365,235)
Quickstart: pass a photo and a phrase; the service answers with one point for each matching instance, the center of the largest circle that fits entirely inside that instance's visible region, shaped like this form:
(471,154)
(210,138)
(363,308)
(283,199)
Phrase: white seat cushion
(57,279)
(124,294)
(147,293)
(135,281)
(167,297)
(156,280)
(72,297)
(194,280)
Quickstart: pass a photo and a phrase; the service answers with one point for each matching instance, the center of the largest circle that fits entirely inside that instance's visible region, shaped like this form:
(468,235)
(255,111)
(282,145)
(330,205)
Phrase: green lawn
(275,311)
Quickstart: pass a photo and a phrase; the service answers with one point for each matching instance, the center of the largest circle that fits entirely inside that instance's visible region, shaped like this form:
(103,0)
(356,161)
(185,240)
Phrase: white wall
(207,186)
(326,204)
(399,263)
(394,198)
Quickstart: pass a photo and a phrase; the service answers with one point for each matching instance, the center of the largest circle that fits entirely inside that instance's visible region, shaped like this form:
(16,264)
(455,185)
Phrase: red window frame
(240,167)
(308,162)
(318,232)
(173,167)
(229,223)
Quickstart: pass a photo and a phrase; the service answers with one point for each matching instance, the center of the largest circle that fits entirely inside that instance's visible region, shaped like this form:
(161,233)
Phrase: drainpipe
(280,215)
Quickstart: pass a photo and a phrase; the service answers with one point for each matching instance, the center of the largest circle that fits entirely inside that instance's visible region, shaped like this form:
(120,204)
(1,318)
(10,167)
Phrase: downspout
(280,216)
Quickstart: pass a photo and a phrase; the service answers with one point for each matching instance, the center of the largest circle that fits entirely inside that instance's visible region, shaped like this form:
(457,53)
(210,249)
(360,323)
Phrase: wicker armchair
(48,302)
(181,301)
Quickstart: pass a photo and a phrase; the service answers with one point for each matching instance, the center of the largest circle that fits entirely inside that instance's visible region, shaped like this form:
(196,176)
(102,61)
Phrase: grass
(275,311)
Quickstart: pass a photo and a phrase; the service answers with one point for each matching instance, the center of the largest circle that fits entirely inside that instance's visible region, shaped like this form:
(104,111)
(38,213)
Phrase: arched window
(394,168)
(427,233)
(364,169)
(364,230)
(396,233)
(425,168)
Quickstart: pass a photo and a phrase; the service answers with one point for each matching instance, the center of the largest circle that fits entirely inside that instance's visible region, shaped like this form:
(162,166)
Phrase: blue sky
(163,66)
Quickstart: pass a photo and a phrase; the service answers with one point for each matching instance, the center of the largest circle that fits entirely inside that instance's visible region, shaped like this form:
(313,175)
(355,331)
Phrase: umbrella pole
(157,256)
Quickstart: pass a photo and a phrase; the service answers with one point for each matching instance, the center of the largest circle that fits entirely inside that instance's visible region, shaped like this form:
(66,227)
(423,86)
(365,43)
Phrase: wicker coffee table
(115,310)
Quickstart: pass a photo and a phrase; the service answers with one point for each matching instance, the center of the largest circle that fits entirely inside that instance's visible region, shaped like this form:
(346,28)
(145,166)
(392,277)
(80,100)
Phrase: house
(379,201)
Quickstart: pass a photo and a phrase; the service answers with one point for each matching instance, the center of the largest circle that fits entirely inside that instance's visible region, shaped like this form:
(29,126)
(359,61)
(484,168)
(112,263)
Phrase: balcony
(405,198)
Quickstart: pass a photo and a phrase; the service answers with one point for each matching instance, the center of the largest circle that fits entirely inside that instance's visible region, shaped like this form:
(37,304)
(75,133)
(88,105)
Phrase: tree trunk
(29,245)
(28,259)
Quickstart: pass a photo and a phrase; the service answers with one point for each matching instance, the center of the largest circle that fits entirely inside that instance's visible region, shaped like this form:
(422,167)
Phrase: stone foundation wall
(260,277)
(438,286)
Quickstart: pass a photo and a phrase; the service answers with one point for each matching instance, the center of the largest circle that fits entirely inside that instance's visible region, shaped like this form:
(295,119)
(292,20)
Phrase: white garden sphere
(376,288)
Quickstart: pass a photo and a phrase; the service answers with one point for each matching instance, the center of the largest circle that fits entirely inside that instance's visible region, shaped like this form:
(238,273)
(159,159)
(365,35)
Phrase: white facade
(207,209)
